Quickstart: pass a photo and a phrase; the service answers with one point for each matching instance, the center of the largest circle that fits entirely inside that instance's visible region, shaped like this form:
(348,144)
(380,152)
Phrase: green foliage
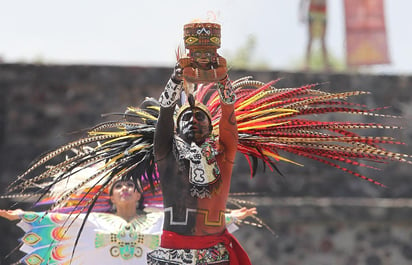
(243,58)
(316,62)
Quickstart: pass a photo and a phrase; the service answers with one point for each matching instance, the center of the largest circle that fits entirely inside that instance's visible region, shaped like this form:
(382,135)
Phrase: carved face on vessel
(202,40)
(204,58)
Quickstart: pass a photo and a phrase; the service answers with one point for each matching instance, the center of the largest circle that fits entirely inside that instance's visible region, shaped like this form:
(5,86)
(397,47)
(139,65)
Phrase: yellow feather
(262,126)
(265,112)
(277,157)
(248,101)
(241,125)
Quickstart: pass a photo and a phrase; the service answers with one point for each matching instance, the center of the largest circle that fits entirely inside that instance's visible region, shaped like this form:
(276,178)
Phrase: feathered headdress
(275,121)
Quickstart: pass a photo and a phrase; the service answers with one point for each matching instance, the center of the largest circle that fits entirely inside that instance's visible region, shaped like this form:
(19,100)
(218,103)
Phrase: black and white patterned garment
(217,255)
(203,170)
(171,94)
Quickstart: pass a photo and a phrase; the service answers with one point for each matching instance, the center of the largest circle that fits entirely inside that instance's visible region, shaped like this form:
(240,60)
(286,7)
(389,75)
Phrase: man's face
(194,125)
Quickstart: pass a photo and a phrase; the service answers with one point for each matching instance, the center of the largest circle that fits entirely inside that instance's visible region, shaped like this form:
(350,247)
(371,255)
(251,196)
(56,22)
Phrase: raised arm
(228,134)
(165,125)
(11,214)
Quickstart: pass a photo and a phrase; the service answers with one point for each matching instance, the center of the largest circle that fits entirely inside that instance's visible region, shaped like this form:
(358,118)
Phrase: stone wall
(319,215)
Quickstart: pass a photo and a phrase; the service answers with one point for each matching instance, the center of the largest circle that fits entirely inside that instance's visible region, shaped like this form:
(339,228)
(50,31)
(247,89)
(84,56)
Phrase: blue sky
(130,32)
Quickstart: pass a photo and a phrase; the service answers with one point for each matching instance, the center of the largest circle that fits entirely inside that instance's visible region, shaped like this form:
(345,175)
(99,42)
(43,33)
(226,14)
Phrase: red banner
(366,41)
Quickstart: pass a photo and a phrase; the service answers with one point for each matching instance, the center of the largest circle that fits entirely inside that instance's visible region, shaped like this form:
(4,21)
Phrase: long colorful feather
(275,121)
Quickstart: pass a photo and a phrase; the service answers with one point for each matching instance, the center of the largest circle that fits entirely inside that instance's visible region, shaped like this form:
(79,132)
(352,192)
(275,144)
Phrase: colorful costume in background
(317,17)
(72,235)
(272,123)
(105,238)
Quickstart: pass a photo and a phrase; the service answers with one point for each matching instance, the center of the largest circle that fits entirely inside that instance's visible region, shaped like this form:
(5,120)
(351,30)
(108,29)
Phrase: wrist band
(171,94)
(226,92)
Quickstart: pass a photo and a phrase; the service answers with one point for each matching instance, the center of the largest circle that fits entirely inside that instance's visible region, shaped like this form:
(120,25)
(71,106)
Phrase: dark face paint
(194,127)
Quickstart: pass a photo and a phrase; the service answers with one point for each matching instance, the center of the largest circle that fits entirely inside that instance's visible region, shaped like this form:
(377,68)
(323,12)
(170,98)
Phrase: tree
(243,58)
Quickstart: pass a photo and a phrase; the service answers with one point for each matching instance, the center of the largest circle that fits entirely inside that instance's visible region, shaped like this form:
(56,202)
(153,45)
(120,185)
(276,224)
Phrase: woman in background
(120,238)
